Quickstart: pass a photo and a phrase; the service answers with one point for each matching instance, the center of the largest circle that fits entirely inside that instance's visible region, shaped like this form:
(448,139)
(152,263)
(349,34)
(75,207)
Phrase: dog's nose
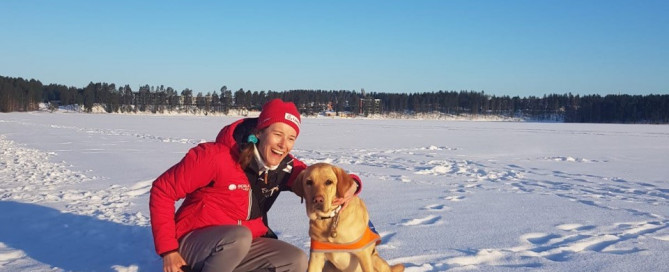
(318,199)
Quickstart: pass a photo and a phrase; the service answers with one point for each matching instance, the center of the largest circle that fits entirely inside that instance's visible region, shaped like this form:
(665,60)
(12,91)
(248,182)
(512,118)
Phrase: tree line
(18,94)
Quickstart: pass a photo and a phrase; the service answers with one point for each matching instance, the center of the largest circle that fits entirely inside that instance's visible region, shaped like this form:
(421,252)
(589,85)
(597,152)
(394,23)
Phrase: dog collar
(332,213)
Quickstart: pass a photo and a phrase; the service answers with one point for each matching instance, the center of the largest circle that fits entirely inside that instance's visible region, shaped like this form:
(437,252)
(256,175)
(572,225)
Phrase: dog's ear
(344,181)
(298,184)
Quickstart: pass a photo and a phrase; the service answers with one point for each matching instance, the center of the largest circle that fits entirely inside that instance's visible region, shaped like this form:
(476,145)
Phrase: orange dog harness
(366,240)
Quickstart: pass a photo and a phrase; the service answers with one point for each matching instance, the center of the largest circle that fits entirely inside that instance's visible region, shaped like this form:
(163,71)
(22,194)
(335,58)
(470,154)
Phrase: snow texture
(444,195)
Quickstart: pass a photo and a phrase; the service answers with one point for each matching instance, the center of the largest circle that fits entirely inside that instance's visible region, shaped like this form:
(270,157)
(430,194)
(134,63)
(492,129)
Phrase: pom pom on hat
(276,110)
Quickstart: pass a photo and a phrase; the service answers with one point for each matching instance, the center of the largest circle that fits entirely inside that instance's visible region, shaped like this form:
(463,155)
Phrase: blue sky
(523,48)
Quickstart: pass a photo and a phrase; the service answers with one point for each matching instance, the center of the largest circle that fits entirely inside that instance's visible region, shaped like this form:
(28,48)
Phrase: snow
(444,195)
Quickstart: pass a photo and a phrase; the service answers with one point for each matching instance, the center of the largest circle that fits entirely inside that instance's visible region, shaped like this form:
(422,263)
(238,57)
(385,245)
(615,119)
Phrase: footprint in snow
(454,198)
(579,238)
(428,220)
(458,190)
(436,207)
(538,238)
(387,241)
(574,227)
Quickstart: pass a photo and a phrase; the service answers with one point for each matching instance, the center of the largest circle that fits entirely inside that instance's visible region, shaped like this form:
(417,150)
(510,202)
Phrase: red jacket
(216,191)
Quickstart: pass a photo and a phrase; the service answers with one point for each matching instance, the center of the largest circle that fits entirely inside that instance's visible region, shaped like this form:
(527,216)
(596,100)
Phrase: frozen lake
(445,195)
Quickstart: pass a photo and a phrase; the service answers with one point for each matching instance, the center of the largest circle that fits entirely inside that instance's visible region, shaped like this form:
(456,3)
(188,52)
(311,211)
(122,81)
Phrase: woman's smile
(275,142)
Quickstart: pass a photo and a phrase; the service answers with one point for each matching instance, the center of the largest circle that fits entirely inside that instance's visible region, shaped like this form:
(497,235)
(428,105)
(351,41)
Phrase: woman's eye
(310,182)
(328,182)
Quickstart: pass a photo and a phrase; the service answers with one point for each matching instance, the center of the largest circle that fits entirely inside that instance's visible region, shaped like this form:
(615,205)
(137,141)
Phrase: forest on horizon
(18,94)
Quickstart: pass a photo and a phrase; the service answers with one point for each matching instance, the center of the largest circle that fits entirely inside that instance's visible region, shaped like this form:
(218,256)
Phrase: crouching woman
(228,186)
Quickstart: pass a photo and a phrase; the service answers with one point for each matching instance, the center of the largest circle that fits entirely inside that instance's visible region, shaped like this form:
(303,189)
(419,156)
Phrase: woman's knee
(299,258)
(234,236)
(202,247)
(303,261)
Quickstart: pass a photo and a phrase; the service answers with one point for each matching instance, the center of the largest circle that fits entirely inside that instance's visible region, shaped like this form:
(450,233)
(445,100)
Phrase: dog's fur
(320,184)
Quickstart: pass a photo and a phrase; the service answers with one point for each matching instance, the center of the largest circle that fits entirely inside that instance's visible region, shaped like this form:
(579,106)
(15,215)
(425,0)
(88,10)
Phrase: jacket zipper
(248,212)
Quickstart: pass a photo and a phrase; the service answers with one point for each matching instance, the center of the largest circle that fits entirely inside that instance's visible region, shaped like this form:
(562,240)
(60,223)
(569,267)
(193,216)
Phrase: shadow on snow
(75,242)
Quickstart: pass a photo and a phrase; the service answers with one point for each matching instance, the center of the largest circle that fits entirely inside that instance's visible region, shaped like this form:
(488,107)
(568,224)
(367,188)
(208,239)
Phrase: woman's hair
(246,155)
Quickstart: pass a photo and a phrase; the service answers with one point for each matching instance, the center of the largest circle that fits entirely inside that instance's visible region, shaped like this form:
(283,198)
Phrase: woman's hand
(343,201)
(172,262)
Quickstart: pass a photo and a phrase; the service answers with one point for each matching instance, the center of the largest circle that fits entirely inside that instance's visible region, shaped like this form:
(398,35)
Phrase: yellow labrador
(341,239)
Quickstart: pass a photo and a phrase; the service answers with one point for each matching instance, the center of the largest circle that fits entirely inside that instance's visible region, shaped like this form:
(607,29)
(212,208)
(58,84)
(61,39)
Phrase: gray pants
(231,248)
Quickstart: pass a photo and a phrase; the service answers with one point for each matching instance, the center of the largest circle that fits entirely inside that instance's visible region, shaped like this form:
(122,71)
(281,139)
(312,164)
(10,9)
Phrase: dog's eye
(310,182)
(328,182)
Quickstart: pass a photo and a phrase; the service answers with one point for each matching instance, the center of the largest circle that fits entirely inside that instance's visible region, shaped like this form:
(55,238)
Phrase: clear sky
(524,48)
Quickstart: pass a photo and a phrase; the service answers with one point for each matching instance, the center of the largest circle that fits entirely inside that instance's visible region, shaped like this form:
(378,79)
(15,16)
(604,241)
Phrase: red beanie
(278,111)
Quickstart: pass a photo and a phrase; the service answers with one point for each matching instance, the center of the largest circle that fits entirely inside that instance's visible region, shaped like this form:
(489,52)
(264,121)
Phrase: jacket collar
(262,167)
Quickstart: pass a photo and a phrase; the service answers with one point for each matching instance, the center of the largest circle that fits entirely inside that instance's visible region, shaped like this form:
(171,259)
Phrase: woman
(229,186)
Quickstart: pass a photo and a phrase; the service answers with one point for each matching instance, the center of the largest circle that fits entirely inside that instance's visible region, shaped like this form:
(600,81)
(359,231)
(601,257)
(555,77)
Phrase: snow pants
(232,248)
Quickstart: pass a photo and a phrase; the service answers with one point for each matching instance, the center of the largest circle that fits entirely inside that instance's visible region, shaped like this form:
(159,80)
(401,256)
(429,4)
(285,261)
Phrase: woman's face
(275,142)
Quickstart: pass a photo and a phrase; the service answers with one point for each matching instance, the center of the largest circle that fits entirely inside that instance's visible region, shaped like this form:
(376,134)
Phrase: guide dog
(341,239)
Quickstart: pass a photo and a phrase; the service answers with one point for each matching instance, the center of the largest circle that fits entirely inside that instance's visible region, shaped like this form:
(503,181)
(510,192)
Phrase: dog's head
(319,185)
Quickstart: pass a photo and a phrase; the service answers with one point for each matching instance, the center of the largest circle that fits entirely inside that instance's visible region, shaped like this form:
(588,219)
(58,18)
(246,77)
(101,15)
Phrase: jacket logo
(269,192)
(244,187)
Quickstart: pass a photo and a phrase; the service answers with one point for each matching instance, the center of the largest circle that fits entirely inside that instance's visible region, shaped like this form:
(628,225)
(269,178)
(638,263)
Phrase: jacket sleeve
(358,181)
(195,170)
(298,167)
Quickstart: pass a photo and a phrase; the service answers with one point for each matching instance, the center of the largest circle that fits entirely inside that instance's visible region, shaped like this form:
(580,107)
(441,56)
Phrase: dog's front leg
(316,262)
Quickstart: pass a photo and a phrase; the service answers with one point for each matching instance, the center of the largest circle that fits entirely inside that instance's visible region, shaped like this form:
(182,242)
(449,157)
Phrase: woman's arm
(352,191)
(195,170)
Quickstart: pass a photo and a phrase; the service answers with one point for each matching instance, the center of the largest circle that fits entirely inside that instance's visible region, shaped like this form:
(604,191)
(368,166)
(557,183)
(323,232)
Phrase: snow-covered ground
(445,195)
